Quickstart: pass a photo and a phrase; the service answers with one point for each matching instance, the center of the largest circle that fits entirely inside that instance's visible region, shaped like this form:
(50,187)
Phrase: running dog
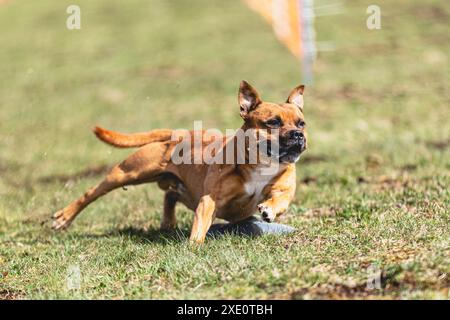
(231,191)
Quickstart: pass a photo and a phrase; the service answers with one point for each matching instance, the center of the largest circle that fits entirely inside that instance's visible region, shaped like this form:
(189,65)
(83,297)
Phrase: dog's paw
(60,222)
(267,213)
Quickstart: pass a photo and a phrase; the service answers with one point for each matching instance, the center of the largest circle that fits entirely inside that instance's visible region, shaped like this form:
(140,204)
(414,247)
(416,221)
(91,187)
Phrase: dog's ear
(296,96)
(248,98)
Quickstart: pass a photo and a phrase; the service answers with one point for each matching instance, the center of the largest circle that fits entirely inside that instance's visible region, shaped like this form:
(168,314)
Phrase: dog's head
(283,122)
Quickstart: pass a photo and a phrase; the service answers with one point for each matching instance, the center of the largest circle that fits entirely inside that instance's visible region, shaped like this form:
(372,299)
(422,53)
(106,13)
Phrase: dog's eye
(273,122)
(301,124)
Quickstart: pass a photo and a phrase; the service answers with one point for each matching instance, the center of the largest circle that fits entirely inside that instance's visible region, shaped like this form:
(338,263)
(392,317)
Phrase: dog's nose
(296,134)
(266,217)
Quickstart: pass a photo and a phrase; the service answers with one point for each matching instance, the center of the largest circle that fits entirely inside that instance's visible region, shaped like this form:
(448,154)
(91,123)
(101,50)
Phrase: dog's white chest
(259,179)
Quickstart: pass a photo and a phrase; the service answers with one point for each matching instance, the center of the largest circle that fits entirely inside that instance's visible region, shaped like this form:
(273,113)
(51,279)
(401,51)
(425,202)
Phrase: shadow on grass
(8,173)
(251,227)
(86,173)
(179,235)
(154,235)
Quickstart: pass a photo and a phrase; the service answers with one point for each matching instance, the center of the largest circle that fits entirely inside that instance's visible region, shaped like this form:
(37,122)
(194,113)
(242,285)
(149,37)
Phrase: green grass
(373,188)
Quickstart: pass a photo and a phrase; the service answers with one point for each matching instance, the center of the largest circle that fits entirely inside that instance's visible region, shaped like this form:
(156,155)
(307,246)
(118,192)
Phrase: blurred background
(147,64)
(377,109)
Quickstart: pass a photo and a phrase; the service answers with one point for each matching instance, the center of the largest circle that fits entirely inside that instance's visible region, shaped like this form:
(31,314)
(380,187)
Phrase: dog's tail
(133,140)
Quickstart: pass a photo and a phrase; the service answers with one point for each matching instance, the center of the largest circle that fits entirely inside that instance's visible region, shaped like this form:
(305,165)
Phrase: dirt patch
(309,180)
(395,254)
(429,12)
(409,167)
(385,182)
(373,161)
(335,291)
(400,254)
(87,173)
(6,294)
(439,145)
(391,286)
(314,159)
(323,212)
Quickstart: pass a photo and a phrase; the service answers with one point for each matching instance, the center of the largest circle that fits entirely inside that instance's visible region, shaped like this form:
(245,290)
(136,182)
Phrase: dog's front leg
(278,195)
(275,206)
(204,216)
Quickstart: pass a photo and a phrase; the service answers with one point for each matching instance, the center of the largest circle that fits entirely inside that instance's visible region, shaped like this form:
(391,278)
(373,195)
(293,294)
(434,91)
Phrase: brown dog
(231,191)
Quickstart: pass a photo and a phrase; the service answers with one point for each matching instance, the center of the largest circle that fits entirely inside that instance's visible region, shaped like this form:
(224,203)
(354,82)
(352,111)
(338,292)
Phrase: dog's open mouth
(291,154)
(285,153)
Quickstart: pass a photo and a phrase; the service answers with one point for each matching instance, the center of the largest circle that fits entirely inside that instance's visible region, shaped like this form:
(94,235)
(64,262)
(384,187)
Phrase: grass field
(373,188)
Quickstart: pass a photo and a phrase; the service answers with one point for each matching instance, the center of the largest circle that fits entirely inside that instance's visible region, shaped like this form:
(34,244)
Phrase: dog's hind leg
(145,165)
(116,178)
(169,220)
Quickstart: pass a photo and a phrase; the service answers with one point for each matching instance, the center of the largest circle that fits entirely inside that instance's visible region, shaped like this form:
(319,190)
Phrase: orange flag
(284,16)
(292,21)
